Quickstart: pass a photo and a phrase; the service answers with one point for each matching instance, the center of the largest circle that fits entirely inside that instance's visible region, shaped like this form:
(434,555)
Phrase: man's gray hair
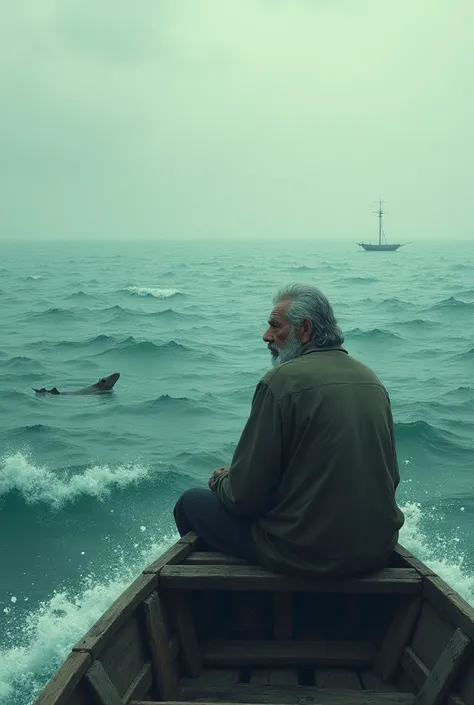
(310,303)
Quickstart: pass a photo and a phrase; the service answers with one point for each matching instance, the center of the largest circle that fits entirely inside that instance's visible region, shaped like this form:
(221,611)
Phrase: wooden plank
(213,558)
(118,613)
(234,577)
(414,667)
(403,558)
(183,620)
(290,695)
(81,694)
(177,553)
(430,635)
(449,604)
(124,656)
(61,686)
(337,678)
(438,683)
(274,676)
(116,616)
(141,684)
(101,685)
(404,683)
(372,682)
(213,676)
(192,538)
(288,653)
(417,673)
(163,664)
(396,639)
(283,615)
(318,697)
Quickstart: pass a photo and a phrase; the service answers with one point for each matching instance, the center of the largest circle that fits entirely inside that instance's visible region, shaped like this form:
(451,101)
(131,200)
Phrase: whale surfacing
(104,384)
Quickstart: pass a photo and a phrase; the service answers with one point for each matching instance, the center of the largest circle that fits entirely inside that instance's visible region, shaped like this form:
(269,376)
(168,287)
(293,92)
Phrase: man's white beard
(289,350)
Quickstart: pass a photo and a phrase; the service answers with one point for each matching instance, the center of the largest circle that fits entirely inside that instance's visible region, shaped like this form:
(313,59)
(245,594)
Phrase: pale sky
(236,119)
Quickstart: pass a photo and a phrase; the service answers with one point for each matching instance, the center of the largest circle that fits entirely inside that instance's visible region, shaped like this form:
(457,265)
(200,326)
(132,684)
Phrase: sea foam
(152,291)
(37,483)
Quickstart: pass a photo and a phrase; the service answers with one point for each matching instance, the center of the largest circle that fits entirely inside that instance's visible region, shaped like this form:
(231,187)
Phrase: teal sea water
(87,484)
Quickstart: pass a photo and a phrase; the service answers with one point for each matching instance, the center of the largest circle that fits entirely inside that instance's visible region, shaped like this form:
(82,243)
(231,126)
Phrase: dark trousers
(202,511)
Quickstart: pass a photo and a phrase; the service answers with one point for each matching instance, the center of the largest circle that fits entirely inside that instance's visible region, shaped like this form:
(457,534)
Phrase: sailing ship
(383,245)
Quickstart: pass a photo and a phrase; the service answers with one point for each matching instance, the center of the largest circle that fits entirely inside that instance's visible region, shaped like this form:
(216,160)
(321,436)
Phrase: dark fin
(54,390)
(43,390)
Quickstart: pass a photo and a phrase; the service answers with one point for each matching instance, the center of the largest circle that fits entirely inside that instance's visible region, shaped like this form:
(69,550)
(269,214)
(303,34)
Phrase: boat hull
(203,627)
(379,248)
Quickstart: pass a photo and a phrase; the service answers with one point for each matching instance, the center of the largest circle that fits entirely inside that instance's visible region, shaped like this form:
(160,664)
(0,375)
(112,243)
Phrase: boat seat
(243,576)
(289,696)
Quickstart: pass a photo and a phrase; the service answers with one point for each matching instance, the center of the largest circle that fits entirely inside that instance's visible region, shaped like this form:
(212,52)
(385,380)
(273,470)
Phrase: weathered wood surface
(183,619)
(417,673)
(126,653)
(163,665)
(337,678)
(448,667)
(319,697)
(249,577)
(62,684)
(403,558)
(274,676)
(118,613)
(414,667)
(81,695)
(449,604)
(140,685)
(283,615)
(430,636)
(116,616)
(396,639)
(213,558)
(372,682)
(290,695)
(177,553)
(213,676)
(101,685)
(288,653)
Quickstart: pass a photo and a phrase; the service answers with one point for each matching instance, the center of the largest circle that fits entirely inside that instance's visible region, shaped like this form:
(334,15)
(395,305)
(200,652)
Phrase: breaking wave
(153,291)
(39,484)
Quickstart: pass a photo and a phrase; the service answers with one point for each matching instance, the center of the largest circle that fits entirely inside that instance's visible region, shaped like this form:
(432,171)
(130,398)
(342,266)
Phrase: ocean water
(87,484)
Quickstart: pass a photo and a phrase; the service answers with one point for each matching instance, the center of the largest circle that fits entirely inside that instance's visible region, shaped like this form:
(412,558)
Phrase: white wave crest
(40,484)
(151,291)
(52,630)
(440,554)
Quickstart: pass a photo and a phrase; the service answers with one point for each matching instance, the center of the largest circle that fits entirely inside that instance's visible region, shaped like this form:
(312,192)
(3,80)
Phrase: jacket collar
(312,348)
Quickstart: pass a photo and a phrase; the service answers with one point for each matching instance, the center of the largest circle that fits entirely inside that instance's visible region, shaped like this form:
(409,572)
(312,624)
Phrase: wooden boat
(203,627)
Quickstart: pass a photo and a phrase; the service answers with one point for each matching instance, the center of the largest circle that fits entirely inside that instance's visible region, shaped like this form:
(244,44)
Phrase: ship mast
(380,214)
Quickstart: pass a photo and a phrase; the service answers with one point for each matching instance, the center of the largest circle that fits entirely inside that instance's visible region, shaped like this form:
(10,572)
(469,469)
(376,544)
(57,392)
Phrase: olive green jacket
(315,469)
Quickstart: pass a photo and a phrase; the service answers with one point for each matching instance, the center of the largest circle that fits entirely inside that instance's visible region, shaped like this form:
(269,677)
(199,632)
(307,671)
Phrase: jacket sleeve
(257,462)
(395,469)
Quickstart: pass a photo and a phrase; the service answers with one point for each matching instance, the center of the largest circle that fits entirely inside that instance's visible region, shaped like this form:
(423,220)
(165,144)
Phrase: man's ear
(305,330)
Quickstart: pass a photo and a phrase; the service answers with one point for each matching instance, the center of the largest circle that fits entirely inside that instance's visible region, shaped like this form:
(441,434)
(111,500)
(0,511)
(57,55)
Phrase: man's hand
(217,473)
